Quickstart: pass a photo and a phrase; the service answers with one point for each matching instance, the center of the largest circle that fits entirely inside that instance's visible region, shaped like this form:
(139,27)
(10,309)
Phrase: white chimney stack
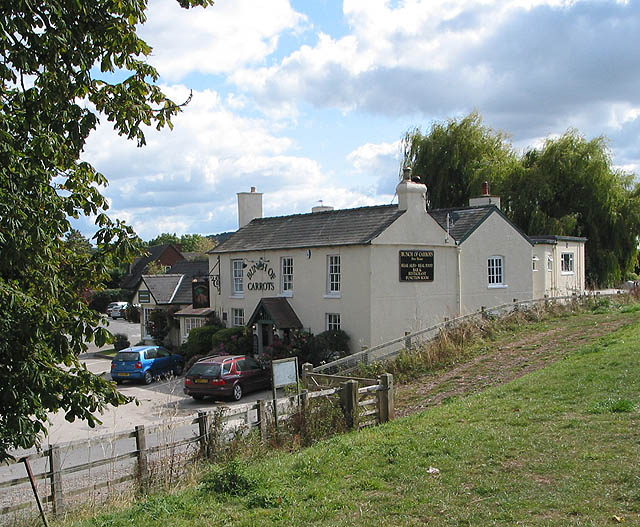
(411,196)
(249,206)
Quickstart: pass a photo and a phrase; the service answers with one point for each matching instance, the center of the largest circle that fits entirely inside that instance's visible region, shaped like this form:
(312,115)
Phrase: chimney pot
(253,189)
(485,188)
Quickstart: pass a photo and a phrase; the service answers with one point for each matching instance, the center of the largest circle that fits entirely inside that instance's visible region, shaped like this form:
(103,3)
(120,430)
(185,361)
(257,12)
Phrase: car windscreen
(127,355)
(210,370)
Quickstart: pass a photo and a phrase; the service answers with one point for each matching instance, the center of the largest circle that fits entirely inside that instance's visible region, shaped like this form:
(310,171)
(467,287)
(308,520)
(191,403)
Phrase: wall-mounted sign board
(416,266)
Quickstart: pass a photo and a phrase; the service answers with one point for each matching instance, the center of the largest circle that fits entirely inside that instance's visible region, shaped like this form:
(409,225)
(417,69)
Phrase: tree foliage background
(567,187)
(57,57)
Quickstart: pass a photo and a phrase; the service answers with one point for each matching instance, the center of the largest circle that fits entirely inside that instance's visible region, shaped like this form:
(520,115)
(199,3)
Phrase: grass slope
(559,446)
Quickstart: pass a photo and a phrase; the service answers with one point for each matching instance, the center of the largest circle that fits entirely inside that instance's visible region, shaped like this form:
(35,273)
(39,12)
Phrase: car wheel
(148,378)
(177,370)
(118,381)
(198,397)
(237,392)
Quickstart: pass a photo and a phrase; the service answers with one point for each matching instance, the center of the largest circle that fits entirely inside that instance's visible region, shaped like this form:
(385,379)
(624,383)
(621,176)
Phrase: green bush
(120,341)
(199,341)
(158,325)
(232,341)
(132,314)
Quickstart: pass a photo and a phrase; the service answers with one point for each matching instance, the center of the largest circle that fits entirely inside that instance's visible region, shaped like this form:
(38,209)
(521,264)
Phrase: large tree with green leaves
(59,59)
(455,157)
(569,187)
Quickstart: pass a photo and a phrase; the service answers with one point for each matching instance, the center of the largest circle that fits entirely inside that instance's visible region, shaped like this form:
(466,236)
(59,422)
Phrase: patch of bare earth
(530,352)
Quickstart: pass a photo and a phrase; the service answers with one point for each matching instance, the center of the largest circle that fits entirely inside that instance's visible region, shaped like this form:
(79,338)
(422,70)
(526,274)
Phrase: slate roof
(140,265)
(175,287)
(553,239)
(279,310)
(319,229)
(464,220)
(163,287)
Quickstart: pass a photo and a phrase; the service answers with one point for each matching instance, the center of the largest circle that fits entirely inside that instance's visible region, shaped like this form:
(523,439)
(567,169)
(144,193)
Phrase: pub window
(286,266)
(495,271)
(237,316)
(566,263)
(237,277)
(333,274)
(192,323)
(332,321)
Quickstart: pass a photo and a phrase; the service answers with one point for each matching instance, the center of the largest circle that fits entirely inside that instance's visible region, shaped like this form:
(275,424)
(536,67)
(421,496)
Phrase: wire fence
(389,350)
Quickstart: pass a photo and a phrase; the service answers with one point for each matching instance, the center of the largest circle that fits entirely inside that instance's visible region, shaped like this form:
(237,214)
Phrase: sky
(308,100)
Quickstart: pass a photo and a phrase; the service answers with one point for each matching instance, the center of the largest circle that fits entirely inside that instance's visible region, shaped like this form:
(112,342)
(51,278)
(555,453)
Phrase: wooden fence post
(56,479)
(203,431)
(304,401)
(143,462)
(386,409)
(262,419)
(307,369)
(349,400)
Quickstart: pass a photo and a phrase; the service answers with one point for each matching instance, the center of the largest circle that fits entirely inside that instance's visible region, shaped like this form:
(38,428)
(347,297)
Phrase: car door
(256,375)
(163,361)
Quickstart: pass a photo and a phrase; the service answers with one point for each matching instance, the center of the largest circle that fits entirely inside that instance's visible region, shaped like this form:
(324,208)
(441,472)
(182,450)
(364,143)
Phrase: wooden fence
(196,437)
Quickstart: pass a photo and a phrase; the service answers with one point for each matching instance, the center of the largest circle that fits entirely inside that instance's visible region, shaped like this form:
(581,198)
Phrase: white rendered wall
(495,237)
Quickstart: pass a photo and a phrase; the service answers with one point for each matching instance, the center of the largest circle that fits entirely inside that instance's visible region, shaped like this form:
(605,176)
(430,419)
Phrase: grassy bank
(560,446)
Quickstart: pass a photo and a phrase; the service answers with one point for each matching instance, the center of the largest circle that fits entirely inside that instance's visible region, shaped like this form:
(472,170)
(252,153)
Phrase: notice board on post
(284,372)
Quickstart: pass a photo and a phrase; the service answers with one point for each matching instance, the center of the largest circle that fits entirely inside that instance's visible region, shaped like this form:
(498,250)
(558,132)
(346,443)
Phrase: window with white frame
(534,263)
(549,263)
(237,316)
(332,321)
(566,263)
(495,271)
(237,277)
(286,272)
(191,323)
(333,274)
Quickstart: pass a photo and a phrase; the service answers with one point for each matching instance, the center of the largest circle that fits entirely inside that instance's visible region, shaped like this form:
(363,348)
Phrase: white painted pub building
(380,272)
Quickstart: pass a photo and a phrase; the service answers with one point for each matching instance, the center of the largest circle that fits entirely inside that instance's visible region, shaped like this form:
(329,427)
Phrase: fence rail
(197,436)
(388,350)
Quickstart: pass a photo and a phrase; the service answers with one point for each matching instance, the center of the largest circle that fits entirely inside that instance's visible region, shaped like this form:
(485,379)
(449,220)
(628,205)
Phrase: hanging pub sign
(416,266)
(200,294)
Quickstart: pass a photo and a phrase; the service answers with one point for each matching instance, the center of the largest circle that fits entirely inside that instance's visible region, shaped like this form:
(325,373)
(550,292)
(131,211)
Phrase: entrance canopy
(276,311)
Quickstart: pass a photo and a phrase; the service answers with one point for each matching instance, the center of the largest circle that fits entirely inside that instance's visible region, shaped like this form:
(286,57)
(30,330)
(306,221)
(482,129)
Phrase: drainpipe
(459,281)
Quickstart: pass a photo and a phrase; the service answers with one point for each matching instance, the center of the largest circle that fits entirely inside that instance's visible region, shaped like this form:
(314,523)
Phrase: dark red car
(225,376)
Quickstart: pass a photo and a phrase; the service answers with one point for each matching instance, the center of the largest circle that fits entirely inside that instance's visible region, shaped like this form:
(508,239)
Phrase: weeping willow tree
(567,187)
(455,157)
(570,187)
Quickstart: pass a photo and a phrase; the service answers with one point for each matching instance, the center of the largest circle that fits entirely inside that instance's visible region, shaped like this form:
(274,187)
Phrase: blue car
(145,363)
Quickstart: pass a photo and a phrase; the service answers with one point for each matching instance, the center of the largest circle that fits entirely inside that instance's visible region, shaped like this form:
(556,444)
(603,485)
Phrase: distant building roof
(163,287)
(319,229)
(553,239)
(175,287)
(140,264)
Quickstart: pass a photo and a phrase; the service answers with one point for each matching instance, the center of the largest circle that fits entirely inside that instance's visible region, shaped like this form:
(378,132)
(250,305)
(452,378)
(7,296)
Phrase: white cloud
(218,39)
(367,158)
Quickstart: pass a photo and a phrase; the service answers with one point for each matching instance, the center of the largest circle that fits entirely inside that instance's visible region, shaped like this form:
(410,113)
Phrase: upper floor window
(286,271)
(237,277)
(495,271)
(566,263)
(333,274)
(534,263)
(549,263)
